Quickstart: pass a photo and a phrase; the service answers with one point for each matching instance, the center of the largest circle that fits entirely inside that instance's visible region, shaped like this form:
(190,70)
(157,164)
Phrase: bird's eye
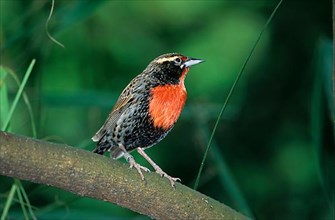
(177,61)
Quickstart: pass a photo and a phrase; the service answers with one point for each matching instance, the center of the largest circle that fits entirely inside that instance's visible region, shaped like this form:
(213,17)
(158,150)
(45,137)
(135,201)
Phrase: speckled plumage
(139,118)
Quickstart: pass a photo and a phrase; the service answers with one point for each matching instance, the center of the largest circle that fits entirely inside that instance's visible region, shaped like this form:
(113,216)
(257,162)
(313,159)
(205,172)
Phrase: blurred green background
(272,156)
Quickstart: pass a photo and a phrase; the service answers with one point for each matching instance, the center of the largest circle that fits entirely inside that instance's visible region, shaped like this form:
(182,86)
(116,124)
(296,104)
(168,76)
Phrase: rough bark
(87,174)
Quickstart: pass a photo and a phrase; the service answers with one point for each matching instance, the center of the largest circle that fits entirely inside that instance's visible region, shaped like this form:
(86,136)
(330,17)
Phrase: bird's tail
(99,150)
(102,147)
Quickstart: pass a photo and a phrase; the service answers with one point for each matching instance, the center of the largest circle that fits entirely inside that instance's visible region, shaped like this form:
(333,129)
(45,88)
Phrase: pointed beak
(191,61)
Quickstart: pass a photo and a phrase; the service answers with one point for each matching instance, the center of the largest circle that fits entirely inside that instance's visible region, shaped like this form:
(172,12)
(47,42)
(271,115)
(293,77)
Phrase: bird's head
(172,67)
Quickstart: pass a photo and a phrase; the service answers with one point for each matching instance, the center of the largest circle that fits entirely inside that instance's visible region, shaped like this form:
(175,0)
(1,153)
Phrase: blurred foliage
(276,138)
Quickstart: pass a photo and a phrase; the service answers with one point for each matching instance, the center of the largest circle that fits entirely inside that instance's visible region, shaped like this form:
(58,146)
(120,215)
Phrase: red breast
(167,102)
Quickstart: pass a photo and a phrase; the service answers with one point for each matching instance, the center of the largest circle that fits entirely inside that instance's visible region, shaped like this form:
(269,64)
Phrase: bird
(146,111)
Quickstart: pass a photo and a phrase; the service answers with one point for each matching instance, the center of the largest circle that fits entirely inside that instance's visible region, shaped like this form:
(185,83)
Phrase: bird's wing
(122,103)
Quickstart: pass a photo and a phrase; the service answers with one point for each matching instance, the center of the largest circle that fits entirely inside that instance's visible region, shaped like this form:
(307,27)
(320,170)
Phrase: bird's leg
(157,168)
(133,163)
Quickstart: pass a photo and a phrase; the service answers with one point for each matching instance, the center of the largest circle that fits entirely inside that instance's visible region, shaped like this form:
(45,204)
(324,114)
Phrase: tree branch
(91,175)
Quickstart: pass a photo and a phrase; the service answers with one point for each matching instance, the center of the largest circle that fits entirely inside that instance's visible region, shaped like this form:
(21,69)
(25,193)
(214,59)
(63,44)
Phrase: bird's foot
(137,166)
(172,180)
(158,170)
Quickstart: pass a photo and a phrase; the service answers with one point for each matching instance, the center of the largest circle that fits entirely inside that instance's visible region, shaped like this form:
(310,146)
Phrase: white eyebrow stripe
(163,59)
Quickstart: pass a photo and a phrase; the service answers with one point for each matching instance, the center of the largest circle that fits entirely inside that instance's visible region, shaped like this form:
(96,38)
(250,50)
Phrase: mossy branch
(87,174)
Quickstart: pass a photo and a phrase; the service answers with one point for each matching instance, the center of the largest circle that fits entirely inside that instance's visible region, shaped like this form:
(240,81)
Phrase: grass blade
(47,25)
(24,96)
(26,199)
(8,202)
(19,195)
(3,95)
(231,92)
(18,95)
